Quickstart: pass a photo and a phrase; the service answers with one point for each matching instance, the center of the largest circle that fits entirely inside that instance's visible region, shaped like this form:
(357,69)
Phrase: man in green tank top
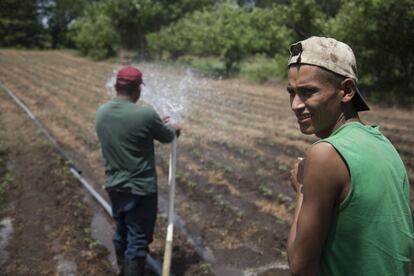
(352,212)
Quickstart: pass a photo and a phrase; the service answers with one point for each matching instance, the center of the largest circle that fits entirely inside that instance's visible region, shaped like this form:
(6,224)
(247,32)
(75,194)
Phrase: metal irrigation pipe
(166,267)
(155,266)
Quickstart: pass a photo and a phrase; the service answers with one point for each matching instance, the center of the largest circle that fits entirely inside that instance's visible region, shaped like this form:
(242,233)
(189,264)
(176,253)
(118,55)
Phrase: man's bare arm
(325,178)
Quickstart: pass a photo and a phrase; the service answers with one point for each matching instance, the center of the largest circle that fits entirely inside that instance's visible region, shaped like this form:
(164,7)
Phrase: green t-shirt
(126,132)
(372,230)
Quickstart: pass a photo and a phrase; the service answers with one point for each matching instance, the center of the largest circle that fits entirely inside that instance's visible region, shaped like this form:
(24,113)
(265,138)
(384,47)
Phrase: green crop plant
(219,200)
(67,167)
(283,199)
(179,176)
(283,254)
(240,215)
(283,167)
(39,132)
(264,190)
(87,230)
(5,182)
(190,184)
(79,204)
(280,221)
(92,243)
(69,163)
(228,169)
(205,268)
(291,206)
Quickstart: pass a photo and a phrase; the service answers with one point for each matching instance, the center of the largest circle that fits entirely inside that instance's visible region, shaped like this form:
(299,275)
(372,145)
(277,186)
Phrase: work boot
(134,267)
(120,262)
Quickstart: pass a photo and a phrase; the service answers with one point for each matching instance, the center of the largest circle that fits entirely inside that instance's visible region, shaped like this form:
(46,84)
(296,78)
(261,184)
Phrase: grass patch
(260,69)
(209,66)
(257,69)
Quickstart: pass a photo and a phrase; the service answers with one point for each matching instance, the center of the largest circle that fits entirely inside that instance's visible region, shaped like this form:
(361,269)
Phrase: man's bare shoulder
(321,152)
(325,169)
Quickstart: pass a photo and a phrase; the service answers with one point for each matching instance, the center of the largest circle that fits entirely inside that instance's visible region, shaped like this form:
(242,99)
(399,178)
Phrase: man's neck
(124,97)
(343,118)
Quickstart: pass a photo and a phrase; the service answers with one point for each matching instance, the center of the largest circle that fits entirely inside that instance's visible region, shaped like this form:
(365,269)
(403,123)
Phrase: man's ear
(349,89)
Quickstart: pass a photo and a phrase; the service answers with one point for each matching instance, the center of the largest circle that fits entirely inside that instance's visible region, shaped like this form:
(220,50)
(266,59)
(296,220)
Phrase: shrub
(94,35)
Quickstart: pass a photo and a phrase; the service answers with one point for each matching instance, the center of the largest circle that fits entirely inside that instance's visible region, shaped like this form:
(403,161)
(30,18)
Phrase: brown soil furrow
(245,105)
(382,116)
(46,94)
(233,115)
(44,82)
(48,109)
(246,139)
(59,83)
(62,62)
(83,81)
(266,92)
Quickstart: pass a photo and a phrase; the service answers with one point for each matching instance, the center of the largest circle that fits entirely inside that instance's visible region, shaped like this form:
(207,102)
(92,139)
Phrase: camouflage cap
(331,55)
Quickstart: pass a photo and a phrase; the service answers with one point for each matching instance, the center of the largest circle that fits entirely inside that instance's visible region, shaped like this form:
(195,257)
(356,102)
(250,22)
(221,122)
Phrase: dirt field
(44,220)
(233,157)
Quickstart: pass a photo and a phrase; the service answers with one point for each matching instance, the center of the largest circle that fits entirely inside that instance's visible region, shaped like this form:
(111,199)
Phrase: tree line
(381,32)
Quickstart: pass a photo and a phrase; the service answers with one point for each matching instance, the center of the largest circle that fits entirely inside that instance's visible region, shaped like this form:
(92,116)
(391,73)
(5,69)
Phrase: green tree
(381,34)
(305,18)
(134,19)
(59,14)
(330,7)
(229,32)
(20,24)
(94,34)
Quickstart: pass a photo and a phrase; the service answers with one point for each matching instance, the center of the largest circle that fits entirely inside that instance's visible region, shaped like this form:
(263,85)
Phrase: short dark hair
(127,89)
(331,77)
(336,80)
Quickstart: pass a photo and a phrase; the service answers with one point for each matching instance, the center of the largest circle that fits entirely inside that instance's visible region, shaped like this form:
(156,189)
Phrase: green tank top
(372,230)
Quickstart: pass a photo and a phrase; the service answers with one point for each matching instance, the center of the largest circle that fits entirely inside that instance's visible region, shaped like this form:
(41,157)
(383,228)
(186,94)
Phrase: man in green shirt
(127,132)
(352,212)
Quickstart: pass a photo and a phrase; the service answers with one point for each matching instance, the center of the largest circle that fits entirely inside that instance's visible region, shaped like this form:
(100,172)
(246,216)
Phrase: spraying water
(168,94)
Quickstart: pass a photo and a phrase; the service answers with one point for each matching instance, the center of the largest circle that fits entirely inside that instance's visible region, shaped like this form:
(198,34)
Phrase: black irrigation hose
(40,126)
(155,266)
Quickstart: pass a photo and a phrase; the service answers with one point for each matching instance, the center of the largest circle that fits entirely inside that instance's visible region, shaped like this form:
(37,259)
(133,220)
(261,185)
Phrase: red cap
(129,75)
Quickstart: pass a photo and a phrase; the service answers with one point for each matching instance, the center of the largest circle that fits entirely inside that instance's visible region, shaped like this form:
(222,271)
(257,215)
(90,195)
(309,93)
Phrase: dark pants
(135,219)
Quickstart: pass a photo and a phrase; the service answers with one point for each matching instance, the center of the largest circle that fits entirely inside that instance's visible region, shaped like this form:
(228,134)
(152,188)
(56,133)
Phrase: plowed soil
(44,220)
(234,154)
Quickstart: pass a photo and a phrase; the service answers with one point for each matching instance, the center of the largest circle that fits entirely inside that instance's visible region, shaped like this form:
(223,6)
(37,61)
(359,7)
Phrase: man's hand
(166,119)
(296,175)
(177,129)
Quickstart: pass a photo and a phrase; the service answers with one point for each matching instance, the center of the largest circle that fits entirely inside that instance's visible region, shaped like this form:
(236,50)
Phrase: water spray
(168,97)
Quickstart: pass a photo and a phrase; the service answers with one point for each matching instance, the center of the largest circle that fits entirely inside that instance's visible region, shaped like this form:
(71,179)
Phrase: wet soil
(41,206)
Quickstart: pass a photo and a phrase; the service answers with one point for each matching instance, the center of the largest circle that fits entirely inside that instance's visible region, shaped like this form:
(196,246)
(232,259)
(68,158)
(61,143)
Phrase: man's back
(371,231)
(126,133)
